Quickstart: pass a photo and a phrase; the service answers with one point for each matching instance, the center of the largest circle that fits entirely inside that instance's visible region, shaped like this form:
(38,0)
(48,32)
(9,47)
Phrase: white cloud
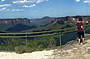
(39,1)
(15,10)
(28,1)
(86,1)
(24,1)
(27,6)
(11,10)
(3,9)
(5,5)
(77,0)
(2,0)
(35,2)
(31,3)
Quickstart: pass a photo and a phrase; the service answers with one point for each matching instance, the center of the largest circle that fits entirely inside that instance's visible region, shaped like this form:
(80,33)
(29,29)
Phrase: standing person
(80,31)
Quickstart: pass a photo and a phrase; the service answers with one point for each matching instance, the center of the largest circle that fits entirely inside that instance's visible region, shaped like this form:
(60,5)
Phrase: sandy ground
(33,55)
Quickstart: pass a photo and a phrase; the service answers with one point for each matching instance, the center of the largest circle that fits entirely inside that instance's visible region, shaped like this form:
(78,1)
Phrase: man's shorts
(80,35)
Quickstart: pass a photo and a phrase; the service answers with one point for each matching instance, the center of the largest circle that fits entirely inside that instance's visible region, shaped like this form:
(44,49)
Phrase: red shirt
(79,24)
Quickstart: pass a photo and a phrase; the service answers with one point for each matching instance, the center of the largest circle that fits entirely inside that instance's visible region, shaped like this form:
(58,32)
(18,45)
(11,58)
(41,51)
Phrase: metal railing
(28,36)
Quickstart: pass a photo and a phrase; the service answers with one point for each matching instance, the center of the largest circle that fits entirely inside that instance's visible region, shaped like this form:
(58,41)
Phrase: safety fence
(28,42)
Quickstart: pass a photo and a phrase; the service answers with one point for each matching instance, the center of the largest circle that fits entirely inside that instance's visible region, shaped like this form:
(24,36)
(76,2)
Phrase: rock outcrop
(73,51)
(15,21)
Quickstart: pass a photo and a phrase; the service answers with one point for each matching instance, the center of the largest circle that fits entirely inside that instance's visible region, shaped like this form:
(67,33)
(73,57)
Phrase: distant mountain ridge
(57,20)
(42,21)
(38,24)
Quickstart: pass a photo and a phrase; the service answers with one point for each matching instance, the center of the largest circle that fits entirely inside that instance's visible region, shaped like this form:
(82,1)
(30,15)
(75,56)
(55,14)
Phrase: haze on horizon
(41,8)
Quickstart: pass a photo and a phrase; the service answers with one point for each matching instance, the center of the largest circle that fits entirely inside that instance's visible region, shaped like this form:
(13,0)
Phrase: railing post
(61,42)
(7,42)
(14,39)
(26,38)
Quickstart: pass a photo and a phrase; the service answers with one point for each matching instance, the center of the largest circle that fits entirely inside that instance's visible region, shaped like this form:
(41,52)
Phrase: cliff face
(15,21)
(44,20)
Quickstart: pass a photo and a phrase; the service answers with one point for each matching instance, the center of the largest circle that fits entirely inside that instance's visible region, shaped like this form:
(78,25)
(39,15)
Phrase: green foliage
(22,46)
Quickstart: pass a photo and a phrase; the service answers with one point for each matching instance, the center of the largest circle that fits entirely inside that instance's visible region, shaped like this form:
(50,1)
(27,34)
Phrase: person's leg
(83,38)
(79,41)
(79,36)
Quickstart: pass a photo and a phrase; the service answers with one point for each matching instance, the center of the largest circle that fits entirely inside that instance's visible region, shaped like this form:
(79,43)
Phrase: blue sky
(41,8)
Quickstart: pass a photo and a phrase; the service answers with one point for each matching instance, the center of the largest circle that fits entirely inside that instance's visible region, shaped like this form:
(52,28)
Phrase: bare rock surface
(73,51)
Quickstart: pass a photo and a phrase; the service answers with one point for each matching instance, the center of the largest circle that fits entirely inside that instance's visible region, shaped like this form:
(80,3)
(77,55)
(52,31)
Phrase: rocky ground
(73,51)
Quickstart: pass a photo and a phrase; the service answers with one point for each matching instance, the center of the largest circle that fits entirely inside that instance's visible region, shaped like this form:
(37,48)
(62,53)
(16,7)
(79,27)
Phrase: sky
(41,8)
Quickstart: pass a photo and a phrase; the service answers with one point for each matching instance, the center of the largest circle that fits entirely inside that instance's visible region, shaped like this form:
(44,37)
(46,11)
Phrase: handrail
(45,33)
(41,32)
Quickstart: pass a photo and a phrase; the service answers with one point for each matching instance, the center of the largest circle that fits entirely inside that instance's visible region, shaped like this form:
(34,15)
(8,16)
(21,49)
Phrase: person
(80,31)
